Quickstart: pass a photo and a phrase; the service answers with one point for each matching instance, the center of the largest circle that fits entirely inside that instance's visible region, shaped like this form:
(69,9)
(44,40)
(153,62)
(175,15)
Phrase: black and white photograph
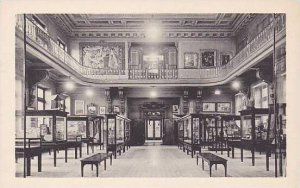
(179,94)
(99,62)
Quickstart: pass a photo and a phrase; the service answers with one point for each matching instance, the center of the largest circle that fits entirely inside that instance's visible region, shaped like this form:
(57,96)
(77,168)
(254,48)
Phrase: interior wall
(220,45)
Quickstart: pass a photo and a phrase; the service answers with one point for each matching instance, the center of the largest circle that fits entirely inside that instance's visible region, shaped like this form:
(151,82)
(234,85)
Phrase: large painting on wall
(224,107)
(103,55)
(208,58)
(190,60)
(79,107)
(209,107)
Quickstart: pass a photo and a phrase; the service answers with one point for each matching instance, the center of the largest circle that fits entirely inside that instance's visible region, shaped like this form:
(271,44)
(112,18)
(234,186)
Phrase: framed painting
(116,109)
(190,60)
(102,110)
(225,57)
(209,107)
(208,58)
(109,56)
(175,109)
(79,107)
(92,109)
(224,107)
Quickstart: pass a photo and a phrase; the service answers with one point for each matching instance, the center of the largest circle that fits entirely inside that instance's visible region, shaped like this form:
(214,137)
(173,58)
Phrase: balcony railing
(41,38)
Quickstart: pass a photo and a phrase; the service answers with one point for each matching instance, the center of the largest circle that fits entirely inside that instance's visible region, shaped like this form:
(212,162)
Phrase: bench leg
(76,152)
(54,153)
(66,155)
(40,163)
(97,169)
(28,165)
(197,160)
(242,157)
(232,152)
(82,165)
(210,170)
(80,151)
(225,165)
(202,164)
(267,161)
(111,160)
(104,164)
(228,151)
(216,166)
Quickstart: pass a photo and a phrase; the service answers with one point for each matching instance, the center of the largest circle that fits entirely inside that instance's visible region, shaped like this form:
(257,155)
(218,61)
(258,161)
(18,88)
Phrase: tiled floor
(152,160)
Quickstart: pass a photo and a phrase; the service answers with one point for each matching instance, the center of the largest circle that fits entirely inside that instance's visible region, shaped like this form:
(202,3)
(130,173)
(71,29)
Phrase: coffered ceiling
(133,25)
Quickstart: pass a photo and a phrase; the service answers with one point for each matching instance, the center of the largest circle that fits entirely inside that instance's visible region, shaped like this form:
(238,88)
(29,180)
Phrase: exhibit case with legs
(116,134)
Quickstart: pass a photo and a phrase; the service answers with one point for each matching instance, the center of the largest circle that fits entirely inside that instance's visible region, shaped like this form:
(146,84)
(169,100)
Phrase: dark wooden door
(168,132)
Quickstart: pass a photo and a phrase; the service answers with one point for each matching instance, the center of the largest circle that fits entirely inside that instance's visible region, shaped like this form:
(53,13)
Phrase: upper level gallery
(120,52)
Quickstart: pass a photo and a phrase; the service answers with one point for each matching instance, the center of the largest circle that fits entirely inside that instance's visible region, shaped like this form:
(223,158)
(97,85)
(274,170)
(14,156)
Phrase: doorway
(154,129)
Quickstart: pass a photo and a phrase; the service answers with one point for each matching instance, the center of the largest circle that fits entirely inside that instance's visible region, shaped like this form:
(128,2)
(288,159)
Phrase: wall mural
(103,55)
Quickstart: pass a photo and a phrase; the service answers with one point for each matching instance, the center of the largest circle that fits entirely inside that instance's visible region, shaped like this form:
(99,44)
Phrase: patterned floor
(153,160)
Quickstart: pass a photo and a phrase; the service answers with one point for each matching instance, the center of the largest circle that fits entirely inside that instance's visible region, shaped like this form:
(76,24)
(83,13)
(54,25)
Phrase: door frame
(161,128)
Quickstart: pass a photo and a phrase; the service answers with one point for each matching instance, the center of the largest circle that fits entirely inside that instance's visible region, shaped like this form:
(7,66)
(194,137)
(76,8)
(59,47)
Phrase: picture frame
(92,109)
(175,109)
(79,107)
(208,58)
(191,60)
(225,57)
(224,107)
(209,107)
(116,109)
(102,110)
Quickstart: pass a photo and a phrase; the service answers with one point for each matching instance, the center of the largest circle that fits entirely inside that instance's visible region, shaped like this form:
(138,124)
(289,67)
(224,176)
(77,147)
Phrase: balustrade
(41,38)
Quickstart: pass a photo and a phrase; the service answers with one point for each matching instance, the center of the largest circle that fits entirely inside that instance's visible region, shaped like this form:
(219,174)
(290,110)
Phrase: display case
(231,129)
(254,126)
(50,126)
(116,133)
(89,128)
(189,133)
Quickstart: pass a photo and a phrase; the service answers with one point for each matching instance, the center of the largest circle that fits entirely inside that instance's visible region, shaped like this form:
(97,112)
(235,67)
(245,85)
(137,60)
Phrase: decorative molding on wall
(191,25)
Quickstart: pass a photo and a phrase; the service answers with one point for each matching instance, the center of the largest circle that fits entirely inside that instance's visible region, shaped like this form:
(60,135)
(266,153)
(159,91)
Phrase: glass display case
(50,126)
(231,126)
(189,133)
(254,125)
(90,128)
(116,126)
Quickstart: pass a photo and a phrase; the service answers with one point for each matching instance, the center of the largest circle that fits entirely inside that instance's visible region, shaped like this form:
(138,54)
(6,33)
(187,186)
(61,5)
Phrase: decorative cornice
(185,28)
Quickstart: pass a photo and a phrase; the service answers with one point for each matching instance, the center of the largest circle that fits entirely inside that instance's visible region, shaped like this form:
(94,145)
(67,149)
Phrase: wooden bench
(212,159)
(216,149)
(96,160)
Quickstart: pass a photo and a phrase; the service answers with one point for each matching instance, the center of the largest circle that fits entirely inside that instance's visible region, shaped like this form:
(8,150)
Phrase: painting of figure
(106,56)
(208,58)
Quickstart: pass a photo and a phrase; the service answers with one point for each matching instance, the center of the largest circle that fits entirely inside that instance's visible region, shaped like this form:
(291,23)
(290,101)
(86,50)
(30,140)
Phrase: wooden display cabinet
(230,124)
(49,126)
(189,133)
(90,128)
(116,137)
(251,127)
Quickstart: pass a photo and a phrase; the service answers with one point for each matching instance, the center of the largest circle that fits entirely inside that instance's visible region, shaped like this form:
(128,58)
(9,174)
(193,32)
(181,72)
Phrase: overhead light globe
(69,86)
(89,92)
(236,85)
(153,94)
(217,92)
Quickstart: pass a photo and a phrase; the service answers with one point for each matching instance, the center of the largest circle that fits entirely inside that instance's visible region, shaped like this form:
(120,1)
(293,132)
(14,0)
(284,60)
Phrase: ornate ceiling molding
(133,25)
